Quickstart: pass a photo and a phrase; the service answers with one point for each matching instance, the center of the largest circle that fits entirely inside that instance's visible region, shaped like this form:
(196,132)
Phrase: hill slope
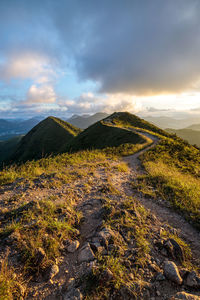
(10,129)
(85,227)
(85,121)
(47,137)
(168,122)
(7,148)
(190,135)
(126,120)
(194,127)
(110,132)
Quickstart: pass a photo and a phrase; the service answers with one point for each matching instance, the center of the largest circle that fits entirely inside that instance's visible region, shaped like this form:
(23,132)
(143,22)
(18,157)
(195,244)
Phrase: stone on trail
(54,269)
(185,296)
(192,280)
(106,234)
(86,254)
(171,272)
(73,246)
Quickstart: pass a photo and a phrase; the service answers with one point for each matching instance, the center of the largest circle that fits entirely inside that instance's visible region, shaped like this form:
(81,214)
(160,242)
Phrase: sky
(77,57)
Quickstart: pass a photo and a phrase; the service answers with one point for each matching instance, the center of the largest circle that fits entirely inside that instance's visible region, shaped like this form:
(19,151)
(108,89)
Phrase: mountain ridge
(45,138)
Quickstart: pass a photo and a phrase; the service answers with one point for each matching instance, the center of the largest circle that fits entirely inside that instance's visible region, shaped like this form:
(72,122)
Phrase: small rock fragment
(73,294)
(53,271)
(107,275)
(39,255)
(160,277)
(71,283)
(106,234)
(13,238)
(192,280)
(171,272)
(185,296)
(86,254)
(174,249)
(73,246)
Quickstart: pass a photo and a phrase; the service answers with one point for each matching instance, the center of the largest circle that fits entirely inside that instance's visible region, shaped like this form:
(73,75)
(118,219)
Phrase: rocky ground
(126,246)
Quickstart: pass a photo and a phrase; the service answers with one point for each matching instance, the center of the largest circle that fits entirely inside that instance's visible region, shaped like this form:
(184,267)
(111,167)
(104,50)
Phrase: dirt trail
(163,213)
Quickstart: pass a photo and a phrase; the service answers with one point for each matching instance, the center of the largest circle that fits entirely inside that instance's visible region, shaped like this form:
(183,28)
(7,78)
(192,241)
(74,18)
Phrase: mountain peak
(47,137)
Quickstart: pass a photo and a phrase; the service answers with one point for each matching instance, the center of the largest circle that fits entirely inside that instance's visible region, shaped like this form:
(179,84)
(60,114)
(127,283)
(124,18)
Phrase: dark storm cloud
(136,46)
(129,46)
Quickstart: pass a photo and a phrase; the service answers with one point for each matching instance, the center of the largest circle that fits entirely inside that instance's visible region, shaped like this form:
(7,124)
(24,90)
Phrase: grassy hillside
(125,119)
(101,135)
(48,137)
(76,215)
(194,127)
(173,172)
(7,148)
(190,135)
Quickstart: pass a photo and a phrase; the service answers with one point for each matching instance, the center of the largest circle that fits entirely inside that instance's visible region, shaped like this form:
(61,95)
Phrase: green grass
(53,136)
(52,166)
(182,190)
(190,135)
(9,282)
(125,119)
(102,135)
(47,137)
(43,224)
(173,170)
(8,147)
(130,219)
(185,247)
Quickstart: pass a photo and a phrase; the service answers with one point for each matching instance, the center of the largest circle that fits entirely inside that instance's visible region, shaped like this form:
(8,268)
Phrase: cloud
(90,103)
(26,66)
(41,94)
(126,48)
(139,47)
(154,109)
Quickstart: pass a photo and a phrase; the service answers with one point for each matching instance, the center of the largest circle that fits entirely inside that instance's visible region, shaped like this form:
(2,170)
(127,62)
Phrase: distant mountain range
(86,120)
(194,127)
(53,136)
(190,135)
(9,129)
(13,128)
(167,122)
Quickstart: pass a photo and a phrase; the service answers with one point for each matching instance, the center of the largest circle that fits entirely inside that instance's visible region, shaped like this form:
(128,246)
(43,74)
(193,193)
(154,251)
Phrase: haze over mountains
(169,122)
(9,129)
(47,134)
(12,128)
(54,136)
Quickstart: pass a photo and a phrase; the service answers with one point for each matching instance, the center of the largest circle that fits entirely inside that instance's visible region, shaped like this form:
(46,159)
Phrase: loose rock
(86,254)
(53,271)
(185,296)
(73,246)
(174,249)
(106,234)
(13,238)
(73,294)
(107,275)
(192,280)
(160,277)
(171,272)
